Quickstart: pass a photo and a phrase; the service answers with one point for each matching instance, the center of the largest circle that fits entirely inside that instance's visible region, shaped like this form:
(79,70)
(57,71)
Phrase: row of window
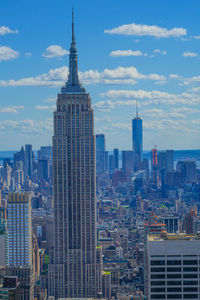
(173,262)
(185,282)
(185,269)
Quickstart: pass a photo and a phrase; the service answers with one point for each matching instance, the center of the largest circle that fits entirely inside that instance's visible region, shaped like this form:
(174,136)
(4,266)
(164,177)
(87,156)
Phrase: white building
(173,266)
(19,230)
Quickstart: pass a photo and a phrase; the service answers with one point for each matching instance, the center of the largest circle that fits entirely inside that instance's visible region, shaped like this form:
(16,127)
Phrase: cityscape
(91,215)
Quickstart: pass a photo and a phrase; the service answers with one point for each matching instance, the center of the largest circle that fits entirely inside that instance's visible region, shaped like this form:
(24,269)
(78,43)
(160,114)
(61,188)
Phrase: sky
(146,51)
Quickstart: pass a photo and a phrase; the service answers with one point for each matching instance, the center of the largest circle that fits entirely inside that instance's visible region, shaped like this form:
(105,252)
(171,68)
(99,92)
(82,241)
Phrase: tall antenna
(136,109)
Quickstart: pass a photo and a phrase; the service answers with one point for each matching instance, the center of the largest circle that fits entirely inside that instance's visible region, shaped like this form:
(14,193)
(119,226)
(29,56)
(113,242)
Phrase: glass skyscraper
(137,143)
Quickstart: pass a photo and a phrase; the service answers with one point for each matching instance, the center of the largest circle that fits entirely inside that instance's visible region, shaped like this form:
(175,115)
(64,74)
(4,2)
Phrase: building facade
(173,267)
(75,271)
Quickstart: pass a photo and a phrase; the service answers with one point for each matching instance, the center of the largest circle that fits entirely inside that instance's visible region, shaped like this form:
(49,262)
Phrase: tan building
(74,271)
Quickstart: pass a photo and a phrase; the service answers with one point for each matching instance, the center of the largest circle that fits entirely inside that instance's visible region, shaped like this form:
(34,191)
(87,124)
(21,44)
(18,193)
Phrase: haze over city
(146,51)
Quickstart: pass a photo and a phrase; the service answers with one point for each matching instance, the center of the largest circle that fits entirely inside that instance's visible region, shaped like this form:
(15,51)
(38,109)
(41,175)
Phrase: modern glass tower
(75,271)
(137,144)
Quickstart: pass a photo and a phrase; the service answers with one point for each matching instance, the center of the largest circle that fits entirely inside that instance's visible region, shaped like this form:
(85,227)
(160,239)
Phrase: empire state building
(75,269)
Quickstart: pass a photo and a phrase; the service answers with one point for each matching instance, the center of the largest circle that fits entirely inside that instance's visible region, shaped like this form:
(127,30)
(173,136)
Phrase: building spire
(73,36)
(73,84)
(136,109)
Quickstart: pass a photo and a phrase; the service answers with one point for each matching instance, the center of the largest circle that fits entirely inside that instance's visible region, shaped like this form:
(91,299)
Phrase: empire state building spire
(73,85)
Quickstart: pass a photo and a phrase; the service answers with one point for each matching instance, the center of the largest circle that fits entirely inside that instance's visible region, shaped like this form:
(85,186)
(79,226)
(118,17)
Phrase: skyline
(154,61)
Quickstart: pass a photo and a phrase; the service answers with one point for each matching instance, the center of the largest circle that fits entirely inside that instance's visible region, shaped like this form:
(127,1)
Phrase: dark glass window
(190,289)
(157,262)
(173,269)
(174,275)
(173,282)
(190,296)
(157,289)
(157,296)
(157,269)
(190,282)
(173,262)
(157,282)
(190,269)
(174,296)
(190,262)
(190,275)
(174,289)
(157,276)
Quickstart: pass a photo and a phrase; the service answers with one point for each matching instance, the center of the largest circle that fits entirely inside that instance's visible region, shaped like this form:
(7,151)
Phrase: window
(173,269)
(157,262)
(173,282)
(190,262)
(173,262)
(157,269)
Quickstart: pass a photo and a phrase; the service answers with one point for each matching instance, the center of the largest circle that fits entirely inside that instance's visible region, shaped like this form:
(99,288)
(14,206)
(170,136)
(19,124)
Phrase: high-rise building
(10,289)
(19,229)
(170,160)
(28,160)
(100,153)
(20,242)
(3,238)
(127,161)
(116,158)
(172,266)
(75,270)
(137,143)
(154,165)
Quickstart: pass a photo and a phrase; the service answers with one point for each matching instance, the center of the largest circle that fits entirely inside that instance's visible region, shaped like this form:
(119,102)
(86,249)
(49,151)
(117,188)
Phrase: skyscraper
(19,230)
(75,269)
(116,158)
(137,144)
(100,153)
(28,160)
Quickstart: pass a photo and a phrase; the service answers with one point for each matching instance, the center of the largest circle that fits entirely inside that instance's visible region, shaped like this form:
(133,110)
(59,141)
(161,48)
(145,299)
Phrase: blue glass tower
(137,144)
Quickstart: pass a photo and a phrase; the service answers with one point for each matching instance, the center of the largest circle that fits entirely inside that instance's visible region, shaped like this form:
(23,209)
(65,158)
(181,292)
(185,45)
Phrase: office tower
(187,170)
(116,158)
(43,169)
(3,238)
(19,156)
(106,161)
(100,153)
(45,152)
(154,165)
(28,160)
(127,161)
(111,163)
(173,266)
(19,229)
(74,271)
(170,160)
(20,242)
(10,289)
(137,143)
(162,160)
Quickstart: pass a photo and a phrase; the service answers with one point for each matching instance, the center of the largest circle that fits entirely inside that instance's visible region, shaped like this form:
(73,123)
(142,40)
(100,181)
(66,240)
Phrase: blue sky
(144,50)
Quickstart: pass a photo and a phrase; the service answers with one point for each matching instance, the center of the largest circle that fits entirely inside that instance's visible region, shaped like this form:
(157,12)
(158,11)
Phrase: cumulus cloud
(33,127)
(197,37)
(146,30)
(118,53)
(54,51)
(46,107)
(6,53)
(189,54)
(11,109)
(158,51)
(6,30)
(154,97)
(57,77)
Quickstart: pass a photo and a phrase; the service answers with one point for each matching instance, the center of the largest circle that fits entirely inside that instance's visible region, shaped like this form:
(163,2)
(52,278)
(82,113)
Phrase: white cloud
(175,76)
(46,107)
(5,30)
(154,97)
(11,109)
(158,51)
(146,30)
(189,54)
(6,53)
(54,51)
(118,53)
(27,126)
(50,100)
(28,53)
(197,37)
(184,109)
(57,77)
